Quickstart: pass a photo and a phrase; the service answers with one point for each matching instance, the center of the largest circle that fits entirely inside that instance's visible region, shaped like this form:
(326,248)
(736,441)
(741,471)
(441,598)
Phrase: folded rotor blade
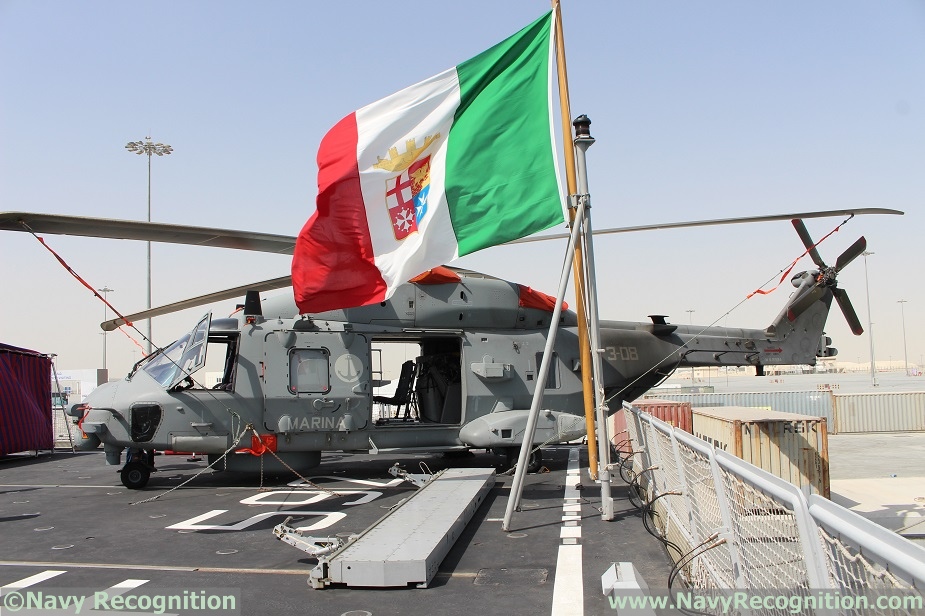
(710,223)
(804,302)
(808,242)
(851,253)
(266,285)
(848,310)
(82,226)
(284,244)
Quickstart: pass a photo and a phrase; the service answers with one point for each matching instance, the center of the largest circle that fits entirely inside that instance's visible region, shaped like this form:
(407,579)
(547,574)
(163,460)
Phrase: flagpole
(526,445)
(584,347)
(583,141)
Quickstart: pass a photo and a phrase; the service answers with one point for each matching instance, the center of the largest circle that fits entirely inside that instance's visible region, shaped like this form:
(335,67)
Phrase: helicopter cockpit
(173,366)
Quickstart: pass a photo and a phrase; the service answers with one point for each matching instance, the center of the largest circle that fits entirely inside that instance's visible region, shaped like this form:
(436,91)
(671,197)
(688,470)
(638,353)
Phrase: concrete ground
(881,476)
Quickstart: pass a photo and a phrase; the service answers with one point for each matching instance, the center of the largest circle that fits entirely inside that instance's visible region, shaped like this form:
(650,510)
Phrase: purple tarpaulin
(25,400)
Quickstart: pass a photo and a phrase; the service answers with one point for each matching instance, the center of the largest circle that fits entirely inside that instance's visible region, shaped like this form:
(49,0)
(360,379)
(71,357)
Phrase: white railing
(731,525)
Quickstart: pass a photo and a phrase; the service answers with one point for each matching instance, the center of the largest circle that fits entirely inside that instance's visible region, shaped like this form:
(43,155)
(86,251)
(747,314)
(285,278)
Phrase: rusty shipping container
(815,403)
(674,413)
(792,447)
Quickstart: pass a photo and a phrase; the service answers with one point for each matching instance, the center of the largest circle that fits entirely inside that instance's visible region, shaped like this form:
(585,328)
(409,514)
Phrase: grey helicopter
(466,349)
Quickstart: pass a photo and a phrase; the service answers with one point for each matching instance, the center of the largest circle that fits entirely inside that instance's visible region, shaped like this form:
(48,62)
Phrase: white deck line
(32,580)
(568,588)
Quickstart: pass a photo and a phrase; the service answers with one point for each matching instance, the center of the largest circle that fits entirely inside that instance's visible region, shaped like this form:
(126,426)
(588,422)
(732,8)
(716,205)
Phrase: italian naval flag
(456,163)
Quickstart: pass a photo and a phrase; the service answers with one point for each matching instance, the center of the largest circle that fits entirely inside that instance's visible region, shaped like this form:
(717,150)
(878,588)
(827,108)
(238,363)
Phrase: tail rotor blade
(851,254)
(808,242)
(848,310)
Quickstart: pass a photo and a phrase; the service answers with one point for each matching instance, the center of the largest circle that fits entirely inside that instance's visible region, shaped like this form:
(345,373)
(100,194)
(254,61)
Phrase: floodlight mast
(870,323)
(105,291)
(902,309)
(161,149)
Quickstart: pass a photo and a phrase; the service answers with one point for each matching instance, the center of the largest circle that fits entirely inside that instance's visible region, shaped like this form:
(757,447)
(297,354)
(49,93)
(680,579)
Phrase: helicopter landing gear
(137,469)
(534,460)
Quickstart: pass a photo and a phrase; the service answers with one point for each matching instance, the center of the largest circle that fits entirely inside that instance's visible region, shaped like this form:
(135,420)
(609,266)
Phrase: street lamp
(902,311)
(691,323)
(149,148)
(870,323)
(105,291)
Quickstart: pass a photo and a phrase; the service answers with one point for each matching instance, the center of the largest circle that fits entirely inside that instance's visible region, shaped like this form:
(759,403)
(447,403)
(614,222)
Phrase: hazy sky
(700,110)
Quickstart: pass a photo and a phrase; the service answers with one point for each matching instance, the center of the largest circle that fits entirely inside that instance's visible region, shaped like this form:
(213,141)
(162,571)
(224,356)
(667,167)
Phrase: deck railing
(730,525)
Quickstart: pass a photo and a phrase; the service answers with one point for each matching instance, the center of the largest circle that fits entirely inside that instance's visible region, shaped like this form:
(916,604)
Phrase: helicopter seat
(404,391)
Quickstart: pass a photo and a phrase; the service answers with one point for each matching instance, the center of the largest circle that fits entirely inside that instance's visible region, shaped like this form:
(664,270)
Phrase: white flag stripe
(386,124)
(32,580)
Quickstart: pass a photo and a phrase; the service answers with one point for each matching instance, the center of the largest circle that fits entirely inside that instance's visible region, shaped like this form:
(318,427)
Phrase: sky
(700,110)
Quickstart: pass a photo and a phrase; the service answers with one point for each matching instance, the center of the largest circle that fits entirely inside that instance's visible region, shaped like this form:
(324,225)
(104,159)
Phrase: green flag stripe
(500,169)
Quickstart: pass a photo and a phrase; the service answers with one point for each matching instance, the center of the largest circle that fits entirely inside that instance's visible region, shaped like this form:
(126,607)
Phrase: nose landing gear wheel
(135,475)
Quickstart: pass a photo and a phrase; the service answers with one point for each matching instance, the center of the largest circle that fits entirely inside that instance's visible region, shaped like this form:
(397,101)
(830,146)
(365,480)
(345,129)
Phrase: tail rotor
(826,279)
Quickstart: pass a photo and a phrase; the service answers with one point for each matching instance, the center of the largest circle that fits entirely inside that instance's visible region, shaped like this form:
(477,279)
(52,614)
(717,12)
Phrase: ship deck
(71,527)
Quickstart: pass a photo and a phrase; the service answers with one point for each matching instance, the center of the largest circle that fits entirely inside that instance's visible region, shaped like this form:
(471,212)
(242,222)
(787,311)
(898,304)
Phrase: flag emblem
(406,193)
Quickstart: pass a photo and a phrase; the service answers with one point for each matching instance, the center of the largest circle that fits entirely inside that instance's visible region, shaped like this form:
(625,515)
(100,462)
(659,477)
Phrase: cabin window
(552,379)
(309,371)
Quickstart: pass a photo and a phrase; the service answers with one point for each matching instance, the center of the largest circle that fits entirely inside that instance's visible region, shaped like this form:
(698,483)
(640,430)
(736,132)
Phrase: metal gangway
(407,544)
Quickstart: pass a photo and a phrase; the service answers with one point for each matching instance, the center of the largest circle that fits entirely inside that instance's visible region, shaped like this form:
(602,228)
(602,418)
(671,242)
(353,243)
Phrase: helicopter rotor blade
(852,253)
(808,242)
(57,224)
(848,310)
(714,222)
(111,228)
(218,296)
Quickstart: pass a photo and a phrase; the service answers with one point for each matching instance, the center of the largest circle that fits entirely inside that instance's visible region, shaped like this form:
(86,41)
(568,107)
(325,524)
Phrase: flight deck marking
(314,496)
(330,518)
(31,580)
(362,482)
(568,587)
(123,587)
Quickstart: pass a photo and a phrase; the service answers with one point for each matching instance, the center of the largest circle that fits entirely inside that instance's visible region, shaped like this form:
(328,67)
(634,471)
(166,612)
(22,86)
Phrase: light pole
(902,312)
(149,148)
(105,291)
(870,323)
(690,322)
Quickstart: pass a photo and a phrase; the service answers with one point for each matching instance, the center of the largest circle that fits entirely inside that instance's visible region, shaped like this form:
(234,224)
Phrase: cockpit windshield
(163,366)
(182,358)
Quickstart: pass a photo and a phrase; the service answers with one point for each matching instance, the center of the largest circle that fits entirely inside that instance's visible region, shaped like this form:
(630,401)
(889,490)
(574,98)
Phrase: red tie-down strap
(260,444)
(792,265)
(86,284)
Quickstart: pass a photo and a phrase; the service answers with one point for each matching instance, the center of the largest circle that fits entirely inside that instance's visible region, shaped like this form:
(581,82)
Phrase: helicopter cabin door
(316,382)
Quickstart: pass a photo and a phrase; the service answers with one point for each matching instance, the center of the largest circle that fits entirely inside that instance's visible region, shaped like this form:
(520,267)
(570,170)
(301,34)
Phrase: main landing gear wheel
(135,475)
(534,460)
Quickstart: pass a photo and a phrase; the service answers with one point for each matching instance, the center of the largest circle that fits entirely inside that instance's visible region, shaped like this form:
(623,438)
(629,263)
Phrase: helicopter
(466,347)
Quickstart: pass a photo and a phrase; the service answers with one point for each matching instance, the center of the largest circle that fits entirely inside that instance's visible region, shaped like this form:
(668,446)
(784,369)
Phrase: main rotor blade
(848,310)
(852,253)
(716,222)
(111,228)
(266,285)
(808,242)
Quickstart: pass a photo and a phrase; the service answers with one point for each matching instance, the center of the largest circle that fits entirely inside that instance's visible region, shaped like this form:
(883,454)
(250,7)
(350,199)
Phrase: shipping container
(820,403)
(880,412)
(792,447)
(672,412)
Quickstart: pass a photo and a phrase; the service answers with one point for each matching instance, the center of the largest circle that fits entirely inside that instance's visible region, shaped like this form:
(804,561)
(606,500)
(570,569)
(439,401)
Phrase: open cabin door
(316,382)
